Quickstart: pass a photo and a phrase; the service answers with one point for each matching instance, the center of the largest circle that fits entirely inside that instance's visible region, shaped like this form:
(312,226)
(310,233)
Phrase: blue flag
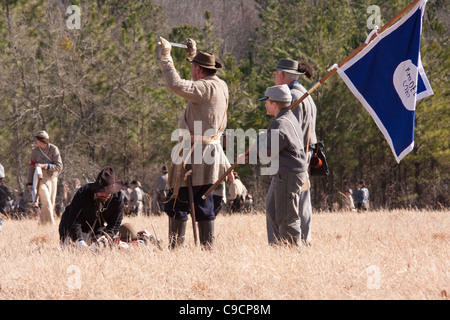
(387,77)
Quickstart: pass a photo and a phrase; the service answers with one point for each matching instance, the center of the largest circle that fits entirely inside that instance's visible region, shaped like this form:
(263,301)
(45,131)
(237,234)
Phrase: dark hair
(306,68)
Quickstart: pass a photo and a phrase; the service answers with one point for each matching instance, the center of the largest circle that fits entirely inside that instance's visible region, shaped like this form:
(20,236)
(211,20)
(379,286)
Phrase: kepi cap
(41,134)
(280,93)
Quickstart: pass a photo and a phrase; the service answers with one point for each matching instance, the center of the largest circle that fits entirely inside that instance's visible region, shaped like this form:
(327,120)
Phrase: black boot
(206,233)
(177,231)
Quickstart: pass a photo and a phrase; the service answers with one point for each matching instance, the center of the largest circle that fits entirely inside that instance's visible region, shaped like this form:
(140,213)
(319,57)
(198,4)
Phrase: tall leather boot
(206,234)
(177,231)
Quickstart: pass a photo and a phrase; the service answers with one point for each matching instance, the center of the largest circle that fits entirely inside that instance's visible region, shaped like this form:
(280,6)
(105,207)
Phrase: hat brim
(112,188)
(217,65)
(263,99)
(286,70)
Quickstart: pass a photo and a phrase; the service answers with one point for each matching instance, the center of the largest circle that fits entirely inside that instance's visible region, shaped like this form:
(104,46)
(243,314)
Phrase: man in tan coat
(45,156)
(199,148)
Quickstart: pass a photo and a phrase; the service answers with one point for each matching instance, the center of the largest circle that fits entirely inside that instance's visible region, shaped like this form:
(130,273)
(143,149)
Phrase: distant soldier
(126,193)
(136,198)
(161,188)
(361,194)
(47,157)
(349,204)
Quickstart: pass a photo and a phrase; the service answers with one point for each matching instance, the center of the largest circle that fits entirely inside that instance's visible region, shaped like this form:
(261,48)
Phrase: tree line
(99,93)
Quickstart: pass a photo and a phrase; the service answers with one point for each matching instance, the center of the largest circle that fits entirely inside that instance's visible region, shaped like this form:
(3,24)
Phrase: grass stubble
(374,255)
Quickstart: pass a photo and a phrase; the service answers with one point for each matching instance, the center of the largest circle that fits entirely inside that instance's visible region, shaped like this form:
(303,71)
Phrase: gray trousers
(306,209)
(305,215)
(282,208)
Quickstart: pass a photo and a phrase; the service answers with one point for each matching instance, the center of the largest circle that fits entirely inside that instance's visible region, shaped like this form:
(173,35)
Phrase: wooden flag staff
(331,71)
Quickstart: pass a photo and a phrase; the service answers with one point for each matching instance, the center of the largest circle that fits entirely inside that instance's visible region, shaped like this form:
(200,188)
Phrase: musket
(332,70)
(234,165)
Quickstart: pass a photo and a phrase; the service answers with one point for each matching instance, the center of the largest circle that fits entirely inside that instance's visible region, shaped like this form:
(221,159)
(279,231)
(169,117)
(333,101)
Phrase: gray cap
(280,93)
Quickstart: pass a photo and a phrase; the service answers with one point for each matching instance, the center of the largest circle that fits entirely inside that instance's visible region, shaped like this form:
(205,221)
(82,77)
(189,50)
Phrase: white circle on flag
(405,83)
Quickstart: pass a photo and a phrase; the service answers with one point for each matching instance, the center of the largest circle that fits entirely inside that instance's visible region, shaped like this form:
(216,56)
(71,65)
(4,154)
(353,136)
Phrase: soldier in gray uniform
(161,188)
(282,202)
(288,72)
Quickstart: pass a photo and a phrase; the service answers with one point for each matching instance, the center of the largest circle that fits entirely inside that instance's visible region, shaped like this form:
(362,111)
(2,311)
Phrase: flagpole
(331,71)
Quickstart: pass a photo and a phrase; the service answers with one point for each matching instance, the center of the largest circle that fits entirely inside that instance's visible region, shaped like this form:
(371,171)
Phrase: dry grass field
(374,255)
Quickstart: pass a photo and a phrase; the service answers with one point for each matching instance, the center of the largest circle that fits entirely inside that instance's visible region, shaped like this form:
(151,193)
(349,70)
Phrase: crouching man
(95,214)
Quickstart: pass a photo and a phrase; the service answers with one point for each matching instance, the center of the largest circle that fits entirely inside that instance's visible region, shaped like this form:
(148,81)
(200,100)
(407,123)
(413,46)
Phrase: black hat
(106,181)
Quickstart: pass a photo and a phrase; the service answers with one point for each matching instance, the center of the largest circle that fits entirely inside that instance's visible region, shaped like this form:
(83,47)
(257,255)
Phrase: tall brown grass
(373,255)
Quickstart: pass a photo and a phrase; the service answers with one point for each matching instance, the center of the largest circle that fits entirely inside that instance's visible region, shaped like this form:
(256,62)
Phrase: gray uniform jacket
(305,113)
(50,156)
(292,157)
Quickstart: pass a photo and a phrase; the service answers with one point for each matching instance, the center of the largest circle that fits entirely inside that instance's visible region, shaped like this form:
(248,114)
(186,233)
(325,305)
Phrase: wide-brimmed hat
(280,93)
(127,233)
(206,60)
(287,65)
(106,181)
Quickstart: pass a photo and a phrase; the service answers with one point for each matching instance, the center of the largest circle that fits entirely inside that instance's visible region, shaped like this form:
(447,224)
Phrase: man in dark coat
(95,213)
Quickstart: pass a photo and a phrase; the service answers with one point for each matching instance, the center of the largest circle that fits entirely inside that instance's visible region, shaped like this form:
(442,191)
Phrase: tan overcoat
(205,118)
